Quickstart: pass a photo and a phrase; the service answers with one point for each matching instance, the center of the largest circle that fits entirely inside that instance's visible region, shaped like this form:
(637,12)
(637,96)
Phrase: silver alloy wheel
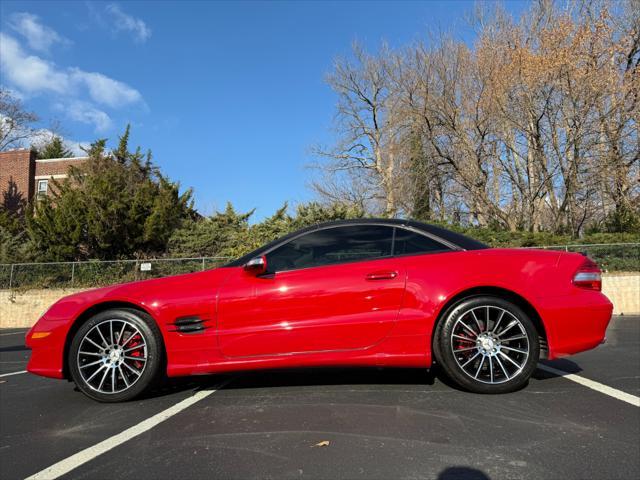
(489,344)
(112,356)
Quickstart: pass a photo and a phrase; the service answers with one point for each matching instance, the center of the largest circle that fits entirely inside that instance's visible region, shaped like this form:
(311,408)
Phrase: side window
(43,186)
(331,246)
(408,242)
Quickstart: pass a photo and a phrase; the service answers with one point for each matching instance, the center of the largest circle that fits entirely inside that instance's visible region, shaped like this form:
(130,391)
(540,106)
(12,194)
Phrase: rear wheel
(487,345)
(116,355)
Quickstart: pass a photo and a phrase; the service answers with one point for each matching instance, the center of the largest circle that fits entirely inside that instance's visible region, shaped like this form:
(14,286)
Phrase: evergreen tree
(313,213)
(419,179)
(624,219)
(54,148)
(14,245)
(270,228)
(229,234)
(223,234)
(113,206)
(122,152)
(13,237)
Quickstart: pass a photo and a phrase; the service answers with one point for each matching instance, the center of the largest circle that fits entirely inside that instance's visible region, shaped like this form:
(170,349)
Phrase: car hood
(141,291)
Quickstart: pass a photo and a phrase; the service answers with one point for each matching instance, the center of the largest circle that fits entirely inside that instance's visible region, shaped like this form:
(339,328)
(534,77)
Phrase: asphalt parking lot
(331,423)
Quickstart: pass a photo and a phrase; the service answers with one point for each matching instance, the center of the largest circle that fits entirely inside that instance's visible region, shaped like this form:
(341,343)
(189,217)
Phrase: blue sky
(230,96)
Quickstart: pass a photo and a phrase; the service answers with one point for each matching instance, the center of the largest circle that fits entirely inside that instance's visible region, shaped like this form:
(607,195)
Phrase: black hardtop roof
(462,241)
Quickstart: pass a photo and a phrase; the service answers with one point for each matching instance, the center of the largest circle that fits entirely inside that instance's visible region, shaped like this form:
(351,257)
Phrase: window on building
(43,187)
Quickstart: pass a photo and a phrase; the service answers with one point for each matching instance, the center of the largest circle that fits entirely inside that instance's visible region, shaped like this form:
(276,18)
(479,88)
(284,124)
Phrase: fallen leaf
(324,443)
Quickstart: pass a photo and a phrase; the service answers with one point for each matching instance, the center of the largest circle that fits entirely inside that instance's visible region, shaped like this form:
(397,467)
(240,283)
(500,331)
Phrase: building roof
(64,159)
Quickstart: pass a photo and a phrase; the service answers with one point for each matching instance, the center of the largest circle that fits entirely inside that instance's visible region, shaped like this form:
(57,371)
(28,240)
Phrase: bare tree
(367,153)
(534,127)
(15,122)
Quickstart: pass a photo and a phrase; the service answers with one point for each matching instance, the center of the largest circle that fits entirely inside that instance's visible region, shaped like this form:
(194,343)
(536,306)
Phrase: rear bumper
(575,322)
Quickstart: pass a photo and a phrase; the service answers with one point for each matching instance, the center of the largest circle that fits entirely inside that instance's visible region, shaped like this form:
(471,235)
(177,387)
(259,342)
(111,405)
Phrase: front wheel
(115,355)
(487,345)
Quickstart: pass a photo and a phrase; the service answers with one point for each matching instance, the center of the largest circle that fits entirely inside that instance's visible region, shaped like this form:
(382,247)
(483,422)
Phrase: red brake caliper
(459,344)
(135,353)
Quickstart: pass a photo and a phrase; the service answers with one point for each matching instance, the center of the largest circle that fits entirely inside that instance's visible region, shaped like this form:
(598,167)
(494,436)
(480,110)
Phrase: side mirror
(256,266)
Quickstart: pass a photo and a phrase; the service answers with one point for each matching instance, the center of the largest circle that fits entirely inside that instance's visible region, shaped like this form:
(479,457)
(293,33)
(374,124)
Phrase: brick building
(22,176)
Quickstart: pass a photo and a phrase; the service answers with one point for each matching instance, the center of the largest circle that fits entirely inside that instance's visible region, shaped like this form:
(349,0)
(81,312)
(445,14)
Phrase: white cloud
(85,112)
(77,148)
(33,74)
(29,72)
(43,135)
(79,95)
(39,36)
(122,21)
(105,90)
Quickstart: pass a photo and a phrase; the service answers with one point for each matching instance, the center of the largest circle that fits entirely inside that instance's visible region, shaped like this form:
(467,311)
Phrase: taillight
(588,276)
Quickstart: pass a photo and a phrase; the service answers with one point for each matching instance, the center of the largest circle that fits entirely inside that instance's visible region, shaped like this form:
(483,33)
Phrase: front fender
(164,299)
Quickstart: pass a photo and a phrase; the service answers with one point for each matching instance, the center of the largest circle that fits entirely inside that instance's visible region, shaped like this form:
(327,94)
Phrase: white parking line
(598,387)
(74,461)
(13,373)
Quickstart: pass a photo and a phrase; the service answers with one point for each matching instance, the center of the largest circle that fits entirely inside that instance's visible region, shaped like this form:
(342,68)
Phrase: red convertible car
(377,292)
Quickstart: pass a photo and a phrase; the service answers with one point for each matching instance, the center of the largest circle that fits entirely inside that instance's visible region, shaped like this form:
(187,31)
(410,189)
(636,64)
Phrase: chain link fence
(624,257)
(611,257)
(90,274)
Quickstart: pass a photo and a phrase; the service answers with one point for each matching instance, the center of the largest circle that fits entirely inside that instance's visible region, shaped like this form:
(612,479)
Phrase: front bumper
(47,351)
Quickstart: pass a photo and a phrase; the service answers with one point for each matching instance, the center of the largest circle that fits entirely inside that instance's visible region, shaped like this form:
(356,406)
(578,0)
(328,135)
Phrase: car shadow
(294,378)
(561,364)
(170,386)
(462,473)
(371,376)
(14,348)
(324,376)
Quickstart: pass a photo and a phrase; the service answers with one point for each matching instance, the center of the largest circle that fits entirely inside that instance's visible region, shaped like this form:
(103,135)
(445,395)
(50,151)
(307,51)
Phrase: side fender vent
(544,348)
(190,325)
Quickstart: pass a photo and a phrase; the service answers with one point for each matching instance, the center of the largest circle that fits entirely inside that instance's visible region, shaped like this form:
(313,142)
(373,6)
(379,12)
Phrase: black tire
(496,374)
(126,384)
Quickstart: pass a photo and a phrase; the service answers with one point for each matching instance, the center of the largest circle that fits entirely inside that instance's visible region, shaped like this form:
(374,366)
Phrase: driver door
(332,289)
